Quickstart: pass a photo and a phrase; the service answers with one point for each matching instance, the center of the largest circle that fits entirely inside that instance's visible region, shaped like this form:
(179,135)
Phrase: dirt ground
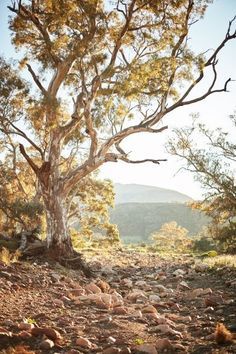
(135,303)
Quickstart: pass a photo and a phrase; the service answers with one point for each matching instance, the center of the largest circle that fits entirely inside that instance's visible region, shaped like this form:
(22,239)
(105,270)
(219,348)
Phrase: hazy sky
(206,34)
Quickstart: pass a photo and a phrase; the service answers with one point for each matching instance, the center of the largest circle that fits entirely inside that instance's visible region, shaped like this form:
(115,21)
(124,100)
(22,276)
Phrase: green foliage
(213,167)
(89,211)
(136,221)
(101,71)
(171,238)
(203,244)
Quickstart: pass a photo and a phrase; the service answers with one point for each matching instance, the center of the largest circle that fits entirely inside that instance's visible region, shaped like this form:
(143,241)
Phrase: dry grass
(7,257)
(221,261)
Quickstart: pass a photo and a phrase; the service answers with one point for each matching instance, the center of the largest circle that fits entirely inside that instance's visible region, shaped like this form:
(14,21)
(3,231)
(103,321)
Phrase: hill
(136,221)
(136,193)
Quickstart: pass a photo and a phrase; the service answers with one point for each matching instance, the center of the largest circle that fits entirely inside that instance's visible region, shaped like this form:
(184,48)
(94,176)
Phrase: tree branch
(36,80)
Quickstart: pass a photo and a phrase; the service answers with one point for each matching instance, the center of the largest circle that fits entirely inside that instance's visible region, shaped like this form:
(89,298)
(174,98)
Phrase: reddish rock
(120,310)
(48,332)
(111,350)
(93,288)
(83,342)
(146,349)
(149,309)
(103,285)
(213,300)
(24,335)
(163,344)
(26,326)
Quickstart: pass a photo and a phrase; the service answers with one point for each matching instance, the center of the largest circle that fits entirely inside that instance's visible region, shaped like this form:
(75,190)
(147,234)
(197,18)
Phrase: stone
(127,283)
(145,349)
(103,285)
(154,298)
(136,295)
(48,332)
(149,309)
(140,283)
(163,344)
(111,340)
(26,326)
(214,300)
(59,303)
(76,292)
(111,350)
(83,342)
(46,344)
(179,346)
(160,288)
(178,272)
(121,310)
(24,335)
(92,288)
(183,285)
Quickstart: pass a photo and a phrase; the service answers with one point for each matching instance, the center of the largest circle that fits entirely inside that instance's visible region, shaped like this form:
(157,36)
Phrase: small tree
(171,238)
(213,166)
(102,71)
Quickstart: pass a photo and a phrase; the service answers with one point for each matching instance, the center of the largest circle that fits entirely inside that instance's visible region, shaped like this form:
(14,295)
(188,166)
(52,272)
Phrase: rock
(46,344)
(111,350)
(183,285)
(26,326)
(141,283)
(111,340)
(207,291)
(55,277)
(83,342)
(121,310)
(127,283)
(160,288)
(136,295)
(107,300)
(59,303)
(149,309)
(103,285)
(76,292)
(145,349)
(163,344)
(164,328)
(214,300)
(201,267)
(24,335)
(209,309)
(126,350)
(73,351)
(48,332)
(116,299)
(92,288)
(178,272)
(179,346)
(154,298)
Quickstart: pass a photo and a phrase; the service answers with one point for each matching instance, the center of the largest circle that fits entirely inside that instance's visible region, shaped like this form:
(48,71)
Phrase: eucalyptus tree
(213,165)
(102,71)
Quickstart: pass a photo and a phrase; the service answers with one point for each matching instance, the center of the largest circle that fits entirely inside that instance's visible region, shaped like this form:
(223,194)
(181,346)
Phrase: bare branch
(125,159)
(36,80)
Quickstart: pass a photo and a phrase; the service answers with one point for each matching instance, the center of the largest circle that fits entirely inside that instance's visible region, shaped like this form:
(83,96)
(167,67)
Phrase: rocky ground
(136,303)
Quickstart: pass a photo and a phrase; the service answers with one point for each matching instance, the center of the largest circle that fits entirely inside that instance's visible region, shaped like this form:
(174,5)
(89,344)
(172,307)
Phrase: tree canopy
(213,165)
(101,71)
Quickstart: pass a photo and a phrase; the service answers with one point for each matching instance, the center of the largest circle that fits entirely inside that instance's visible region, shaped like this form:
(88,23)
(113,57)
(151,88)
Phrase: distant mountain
(136,221)
(137,193)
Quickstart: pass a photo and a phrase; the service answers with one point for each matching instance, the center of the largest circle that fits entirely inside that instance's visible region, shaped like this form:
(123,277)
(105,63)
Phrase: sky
(206,34)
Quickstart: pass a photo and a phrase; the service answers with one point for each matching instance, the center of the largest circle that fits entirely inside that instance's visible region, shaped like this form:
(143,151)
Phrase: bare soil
(40,293)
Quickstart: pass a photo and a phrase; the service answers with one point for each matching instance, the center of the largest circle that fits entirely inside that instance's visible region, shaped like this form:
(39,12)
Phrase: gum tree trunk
(58,237)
